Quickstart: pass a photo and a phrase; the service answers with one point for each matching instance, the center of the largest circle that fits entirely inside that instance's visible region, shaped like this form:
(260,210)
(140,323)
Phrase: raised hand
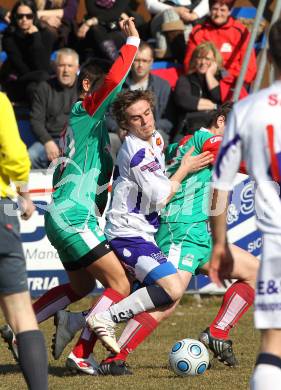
(128,27)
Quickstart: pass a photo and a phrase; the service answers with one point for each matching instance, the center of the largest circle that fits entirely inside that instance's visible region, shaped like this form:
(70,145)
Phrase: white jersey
(253,135)
(139,189)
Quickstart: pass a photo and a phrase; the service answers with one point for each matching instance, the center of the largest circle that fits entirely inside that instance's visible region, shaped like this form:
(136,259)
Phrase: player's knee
(175,292)
(122,286)
(250,272)
(165,295)
(173,287)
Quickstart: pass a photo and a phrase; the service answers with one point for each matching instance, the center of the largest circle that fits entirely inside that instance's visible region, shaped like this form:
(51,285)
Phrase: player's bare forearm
(219,258)
(218,212)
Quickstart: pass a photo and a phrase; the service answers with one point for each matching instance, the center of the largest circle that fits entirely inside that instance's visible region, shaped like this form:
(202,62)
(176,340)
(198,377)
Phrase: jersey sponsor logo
(151,167)
(127,253)
(188,260)
(226,47)
(268,287)
(218,138)
(275,306)
(158,256)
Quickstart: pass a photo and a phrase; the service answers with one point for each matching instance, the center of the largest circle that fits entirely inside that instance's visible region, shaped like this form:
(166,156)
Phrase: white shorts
(268,291)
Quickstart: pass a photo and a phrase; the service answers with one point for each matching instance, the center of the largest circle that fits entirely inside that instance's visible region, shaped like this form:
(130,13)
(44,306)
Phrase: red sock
(53,300)
(236,301)
(87,339)
(136,331)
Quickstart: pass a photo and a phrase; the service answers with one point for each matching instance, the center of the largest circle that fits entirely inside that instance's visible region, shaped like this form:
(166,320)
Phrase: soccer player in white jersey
(253,134)
(140,190)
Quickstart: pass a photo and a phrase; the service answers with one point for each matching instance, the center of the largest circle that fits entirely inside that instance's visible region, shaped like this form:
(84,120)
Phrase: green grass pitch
(149,361)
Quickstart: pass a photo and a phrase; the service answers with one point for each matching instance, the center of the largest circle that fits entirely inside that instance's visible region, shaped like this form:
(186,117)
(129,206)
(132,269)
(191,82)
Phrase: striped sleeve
(114,80)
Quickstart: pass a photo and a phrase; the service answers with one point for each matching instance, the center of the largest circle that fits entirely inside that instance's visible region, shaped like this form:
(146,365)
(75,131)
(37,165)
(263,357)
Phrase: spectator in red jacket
(231,38)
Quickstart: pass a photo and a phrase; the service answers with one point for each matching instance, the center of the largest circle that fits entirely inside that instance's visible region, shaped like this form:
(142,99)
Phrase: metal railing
(254,33)
(263,58)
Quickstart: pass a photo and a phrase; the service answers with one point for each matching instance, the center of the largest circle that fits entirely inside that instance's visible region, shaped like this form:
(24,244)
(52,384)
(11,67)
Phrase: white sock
(266,377)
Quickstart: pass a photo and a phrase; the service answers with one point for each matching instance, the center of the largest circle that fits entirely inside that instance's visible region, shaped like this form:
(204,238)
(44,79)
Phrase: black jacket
(50,109)
(27,52)
(189,89)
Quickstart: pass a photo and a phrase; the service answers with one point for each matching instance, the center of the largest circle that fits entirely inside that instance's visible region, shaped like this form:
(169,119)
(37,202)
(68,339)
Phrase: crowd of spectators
(44,42)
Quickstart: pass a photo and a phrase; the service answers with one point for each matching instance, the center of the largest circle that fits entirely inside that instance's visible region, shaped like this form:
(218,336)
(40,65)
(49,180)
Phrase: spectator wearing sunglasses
(28,47)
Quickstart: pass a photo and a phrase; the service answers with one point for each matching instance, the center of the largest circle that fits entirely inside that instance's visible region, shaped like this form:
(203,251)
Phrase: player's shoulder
(201,136)
(202,133)
(132,151)
(260,102)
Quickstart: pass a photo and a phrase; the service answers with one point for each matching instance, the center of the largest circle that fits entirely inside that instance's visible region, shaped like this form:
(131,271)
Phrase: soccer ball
(189,357)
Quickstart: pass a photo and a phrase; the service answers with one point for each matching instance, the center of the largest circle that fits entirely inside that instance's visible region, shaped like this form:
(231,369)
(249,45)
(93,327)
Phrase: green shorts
(187,245)
(78,245)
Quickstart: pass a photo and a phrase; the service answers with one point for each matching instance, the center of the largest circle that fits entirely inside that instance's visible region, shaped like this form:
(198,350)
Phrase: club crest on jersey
(151,167)
(217,138)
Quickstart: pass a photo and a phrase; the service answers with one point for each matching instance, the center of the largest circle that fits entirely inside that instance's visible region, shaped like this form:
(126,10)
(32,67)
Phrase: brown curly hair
(126,99)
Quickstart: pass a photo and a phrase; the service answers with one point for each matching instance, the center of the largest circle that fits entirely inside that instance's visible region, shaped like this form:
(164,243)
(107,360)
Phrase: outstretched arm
(101,98)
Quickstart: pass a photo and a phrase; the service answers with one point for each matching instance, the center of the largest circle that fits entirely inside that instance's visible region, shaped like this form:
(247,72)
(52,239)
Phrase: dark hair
(228,3)
(28,3)
(92,69)
(145,45)
(274,39)
(222,110)
(125,100)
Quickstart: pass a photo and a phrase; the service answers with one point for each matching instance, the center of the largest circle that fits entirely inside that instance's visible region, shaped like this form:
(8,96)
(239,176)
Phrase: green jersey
(82,176)
(190,203)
